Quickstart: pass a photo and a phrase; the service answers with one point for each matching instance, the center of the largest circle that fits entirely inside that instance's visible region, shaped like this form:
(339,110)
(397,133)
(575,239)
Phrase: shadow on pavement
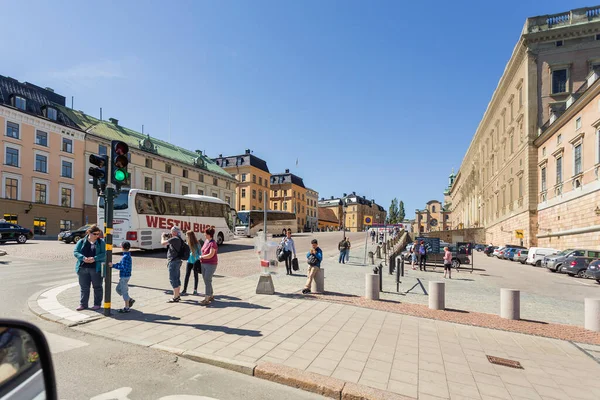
(217,328)
(533,321)
(137,315)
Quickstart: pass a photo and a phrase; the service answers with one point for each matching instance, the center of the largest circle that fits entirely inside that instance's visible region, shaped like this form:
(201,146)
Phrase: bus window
(121,201)
(200,209)
(187,208)
(215,210)
(149,204)
(172,206)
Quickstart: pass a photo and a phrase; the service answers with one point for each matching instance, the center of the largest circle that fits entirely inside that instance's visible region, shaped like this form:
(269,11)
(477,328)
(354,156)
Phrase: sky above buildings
(381,98)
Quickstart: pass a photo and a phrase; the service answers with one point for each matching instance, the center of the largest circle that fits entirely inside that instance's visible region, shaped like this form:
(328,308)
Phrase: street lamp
(345,207)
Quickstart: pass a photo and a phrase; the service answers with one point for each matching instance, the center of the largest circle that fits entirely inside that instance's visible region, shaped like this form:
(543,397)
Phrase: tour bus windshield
(121,201)
(242,218)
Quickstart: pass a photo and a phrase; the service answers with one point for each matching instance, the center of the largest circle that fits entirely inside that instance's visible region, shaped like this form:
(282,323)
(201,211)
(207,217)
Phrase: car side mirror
(26,370)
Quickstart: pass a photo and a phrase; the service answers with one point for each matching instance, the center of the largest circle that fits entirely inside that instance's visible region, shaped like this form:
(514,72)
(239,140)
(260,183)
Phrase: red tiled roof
(327,215)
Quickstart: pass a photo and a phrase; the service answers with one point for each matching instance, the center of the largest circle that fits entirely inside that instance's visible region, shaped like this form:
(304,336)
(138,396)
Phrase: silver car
(521,255)
(555,262)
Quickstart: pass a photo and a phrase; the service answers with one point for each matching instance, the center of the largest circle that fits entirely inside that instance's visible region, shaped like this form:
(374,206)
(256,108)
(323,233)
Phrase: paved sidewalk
(411,356)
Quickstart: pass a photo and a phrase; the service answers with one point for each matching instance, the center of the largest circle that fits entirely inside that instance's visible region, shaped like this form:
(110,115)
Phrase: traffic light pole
(109,198)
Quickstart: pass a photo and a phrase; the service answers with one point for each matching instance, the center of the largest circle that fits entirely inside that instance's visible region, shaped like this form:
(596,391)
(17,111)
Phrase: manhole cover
(505,362)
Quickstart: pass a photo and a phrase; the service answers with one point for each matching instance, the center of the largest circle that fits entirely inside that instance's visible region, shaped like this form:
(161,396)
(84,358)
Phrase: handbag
(295,266)
(312,260)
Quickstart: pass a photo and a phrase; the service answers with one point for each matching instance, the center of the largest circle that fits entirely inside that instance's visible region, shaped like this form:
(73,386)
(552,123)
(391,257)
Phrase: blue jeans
(208,270)
(342,258)
(174,267)
(89,276)
(347,255)
(123,288)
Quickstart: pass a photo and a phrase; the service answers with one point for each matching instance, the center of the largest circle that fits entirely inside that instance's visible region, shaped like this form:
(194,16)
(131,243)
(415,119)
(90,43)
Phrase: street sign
(368,220)
(519,234)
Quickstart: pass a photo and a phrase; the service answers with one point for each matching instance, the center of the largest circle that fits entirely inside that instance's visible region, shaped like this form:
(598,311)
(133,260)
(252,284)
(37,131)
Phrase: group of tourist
(418,253)
(201,258)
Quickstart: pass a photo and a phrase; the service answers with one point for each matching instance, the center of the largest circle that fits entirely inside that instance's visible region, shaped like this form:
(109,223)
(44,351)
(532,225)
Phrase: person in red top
(447,262)
(209,262)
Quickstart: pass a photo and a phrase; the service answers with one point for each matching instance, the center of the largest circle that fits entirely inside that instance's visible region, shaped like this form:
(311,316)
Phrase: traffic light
(119,161)
(99,172)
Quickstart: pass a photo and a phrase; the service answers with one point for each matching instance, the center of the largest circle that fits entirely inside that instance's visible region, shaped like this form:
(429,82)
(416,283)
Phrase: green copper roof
(110,131)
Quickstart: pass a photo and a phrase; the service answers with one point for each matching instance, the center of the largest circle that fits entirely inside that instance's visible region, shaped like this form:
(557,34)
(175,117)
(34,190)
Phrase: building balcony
(569,18)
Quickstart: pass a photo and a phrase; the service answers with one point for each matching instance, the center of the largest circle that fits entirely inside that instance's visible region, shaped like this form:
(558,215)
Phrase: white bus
(141,216)
(250,223)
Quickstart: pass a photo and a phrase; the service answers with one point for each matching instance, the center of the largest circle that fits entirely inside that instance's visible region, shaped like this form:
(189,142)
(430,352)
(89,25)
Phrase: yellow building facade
(288,193)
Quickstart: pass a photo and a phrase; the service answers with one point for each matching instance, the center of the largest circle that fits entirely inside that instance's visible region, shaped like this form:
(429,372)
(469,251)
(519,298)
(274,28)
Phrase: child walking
(124,267)
(447,263)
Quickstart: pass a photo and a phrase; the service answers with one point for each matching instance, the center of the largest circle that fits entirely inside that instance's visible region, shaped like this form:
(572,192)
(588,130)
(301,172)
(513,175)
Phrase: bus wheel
(220,238)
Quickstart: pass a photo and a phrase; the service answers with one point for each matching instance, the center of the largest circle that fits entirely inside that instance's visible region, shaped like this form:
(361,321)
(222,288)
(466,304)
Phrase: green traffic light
(120,175)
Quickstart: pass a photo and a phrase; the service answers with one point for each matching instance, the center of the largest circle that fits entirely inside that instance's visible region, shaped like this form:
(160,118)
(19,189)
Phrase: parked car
(480,247)
(498,250)
(510,253)
(556,261)
(74,235)
(593,270)
(489,250)
(521,256)
(13,232)
(575,266)
(536,255)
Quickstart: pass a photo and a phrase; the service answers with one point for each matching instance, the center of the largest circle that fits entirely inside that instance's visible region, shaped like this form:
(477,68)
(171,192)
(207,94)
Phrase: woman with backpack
(422,256)
(177,250)
(209,261)
(193,262)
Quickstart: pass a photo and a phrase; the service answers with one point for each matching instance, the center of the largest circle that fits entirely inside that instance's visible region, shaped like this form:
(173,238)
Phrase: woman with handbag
(209,260)
(288,247)
(193,262)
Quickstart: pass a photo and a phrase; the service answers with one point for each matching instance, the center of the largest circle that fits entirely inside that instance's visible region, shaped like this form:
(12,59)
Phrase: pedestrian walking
(193,262)
(447,262)
(289,248)
(90,253)
(313,258)
(342,247)
(373,236)
(175,252)
(124,266)
(349,245)
(422,256)
(413,255)
(209,261)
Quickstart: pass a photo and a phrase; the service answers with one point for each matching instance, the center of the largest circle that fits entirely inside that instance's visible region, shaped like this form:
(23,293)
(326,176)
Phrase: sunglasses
(96,233)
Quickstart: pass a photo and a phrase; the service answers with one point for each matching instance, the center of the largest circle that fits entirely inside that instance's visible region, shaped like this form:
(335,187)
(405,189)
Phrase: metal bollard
(378,252)
(384,248)
(592,314)
(372,286)
(437,295)
(510,304)
(372,258)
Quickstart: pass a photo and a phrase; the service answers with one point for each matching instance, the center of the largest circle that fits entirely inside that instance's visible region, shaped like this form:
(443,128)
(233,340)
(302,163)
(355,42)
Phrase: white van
(537,254)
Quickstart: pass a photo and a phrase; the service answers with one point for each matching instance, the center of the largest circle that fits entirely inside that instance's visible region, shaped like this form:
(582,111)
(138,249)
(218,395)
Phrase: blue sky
(381,98)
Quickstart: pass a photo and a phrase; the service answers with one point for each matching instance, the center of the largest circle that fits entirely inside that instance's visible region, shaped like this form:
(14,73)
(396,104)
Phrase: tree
(393,212)
(401,212)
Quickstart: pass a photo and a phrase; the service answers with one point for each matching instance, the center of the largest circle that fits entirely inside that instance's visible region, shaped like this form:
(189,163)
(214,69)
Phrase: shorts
(174,267)
(447,267)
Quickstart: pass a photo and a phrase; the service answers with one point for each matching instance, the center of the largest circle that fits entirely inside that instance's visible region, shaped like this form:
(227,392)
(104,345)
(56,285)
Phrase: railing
(576,16)
(558,19)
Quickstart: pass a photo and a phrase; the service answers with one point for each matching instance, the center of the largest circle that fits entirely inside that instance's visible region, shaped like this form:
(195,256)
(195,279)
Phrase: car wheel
(571,275)
(581,274)
(598,280)
(220,239)
(538,263)
(21,239)
(455,264)
(76,239)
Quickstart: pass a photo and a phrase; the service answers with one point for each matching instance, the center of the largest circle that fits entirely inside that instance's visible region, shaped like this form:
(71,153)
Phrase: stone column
(510,304)
(437,295)
(372,286)
(592,314)
(318,284)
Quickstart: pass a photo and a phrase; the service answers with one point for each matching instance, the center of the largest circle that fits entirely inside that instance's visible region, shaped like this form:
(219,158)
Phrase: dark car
(593,270)
(480,247)
(13,232)
(74,235)
(489,251)
(576,266)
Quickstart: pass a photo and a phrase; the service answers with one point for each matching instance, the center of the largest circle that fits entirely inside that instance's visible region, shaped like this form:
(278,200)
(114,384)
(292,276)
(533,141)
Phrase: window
(215,195)
(40,193)
(543,152)
(67,145)
(266,183)
(578,123)
(41,163)
(11,219)
(41,138)
(274,206)
(543,179)
(185,173)
(243,177)
(184,190)
(274,193)
(285,206)
(201,177)
(51,113)
(201,192)
(39,226)
(11,188)
(167,187)
(102,150)
(260,195)
(512,144)
(243,207)
(520,96)
(432,208)
(243,193)
(228,200)
(65,197)
(559,170)
(285,193)
(167,168)
(260,180)
(559,43)
(67,169)
(12,157)
(520,187)
(253,207)
(215,182)
(173,207)
(148,163)
(253,193)
(66,225)
(20,103)
(577,158)
(147,183)
(559,80)
(12,130)
(253,178)
(559,139)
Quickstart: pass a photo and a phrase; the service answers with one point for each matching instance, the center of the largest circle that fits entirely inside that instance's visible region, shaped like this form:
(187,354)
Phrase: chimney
(345,195)
(354,193)
(114,121)
(247,151)
(287,171)
(373,201)
(220,155)
(49,89)
(331,197)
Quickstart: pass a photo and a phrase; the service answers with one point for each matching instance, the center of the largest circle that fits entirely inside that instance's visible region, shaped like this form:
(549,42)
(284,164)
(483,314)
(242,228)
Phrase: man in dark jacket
(422,256)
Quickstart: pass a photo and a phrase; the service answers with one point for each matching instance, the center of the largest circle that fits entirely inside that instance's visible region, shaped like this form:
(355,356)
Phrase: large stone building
(312,209)
(352,209)
(434,217)
(288,193)
(154,164)
(496,186)
(569,172)
(253,177)
(42,160)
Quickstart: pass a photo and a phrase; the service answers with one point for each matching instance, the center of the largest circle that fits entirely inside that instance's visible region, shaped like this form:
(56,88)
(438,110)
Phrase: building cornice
(39,123)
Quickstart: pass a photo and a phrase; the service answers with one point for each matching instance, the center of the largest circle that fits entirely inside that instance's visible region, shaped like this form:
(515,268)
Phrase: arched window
(432,208)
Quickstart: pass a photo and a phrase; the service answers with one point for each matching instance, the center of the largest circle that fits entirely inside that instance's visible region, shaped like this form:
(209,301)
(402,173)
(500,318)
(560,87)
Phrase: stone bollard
(318,284)
(371,257)
(378,251)
(372,286)
(510,304)
(437,295)
(384,248)
(592,314)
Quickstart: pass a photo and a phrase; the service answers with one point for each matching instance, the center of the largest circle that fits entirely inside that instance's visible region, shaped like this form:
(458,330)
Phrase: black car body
(576,266)
(74,235)
(489,251)
(593,270)
(15,233)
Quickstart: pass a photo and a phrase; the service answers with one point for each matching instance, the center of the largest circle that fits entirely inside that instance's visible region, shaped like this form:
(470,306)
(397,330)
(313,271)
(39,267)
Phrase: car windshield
(565,252)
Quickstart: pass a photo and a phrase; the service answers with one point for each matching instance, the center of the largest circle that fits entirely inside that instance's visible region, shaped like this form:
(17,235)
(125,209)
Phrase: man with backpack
(177,251)
(422,256)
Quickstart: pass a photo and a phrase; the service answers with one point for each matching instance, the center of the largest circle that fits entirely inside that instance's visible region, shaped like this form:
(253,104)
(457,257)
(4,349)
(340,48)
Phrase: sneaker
(131,301)
(174,300)
(184,293)
(195,293)
(81,308)
(305,290)
(123,310)
(96,308)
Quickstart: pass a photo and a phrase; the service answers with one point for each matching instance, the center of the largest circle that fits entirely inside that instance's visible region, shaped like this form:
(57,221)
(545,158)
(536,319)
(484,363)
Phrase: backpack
(422,250)
(184,251)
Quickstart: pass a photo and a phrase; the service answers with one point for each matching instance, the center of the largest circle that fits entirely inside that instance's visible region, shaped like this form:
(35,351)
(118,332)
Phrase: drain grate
(505,362)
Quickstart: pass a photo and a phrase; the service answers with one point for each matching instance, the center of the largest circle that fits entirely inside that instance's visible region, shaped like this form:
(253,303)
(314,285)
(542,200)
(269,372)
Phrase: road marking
(59,344)
(586,284)
(49,303)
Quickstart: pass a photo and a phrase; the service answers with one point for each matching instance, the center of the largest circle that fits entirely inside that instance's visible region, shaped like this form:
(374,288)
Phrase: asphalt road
(89,367)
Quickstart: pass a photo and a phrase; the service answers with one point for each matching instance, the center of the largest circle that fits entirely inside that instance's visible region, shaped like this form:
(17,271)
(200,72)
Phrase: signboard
(519,234)
(368,220)
(464,248)
(431,244)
